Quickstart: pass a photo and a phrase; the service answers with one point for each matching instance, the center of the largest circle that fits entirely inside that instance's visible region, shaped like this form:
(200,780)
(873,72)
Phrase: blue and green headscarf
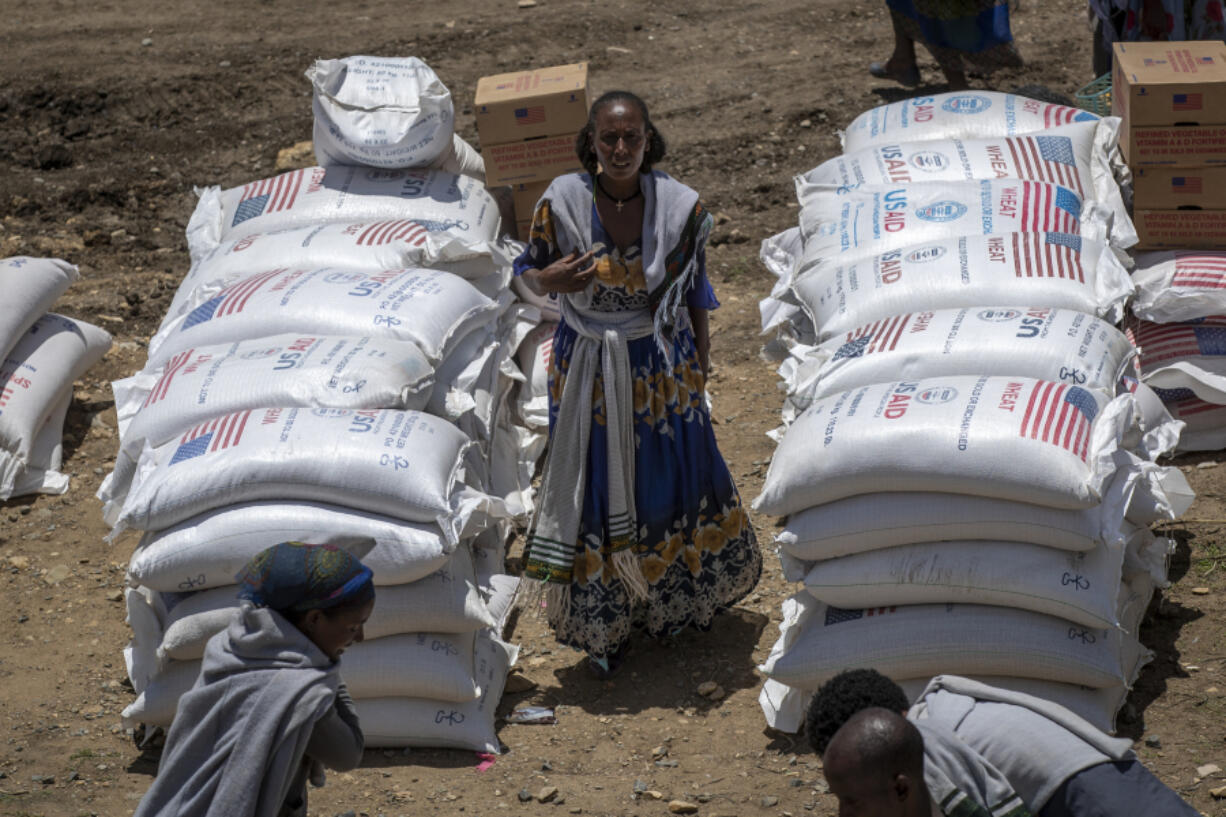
(293,577)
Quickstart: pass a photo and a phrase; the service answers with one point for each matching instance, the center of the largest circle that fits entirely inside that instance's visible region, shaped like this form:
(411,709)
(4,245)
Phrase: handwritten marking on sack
(452,717)
(1075,579)
(192,582)
(395,462)
(1086,636)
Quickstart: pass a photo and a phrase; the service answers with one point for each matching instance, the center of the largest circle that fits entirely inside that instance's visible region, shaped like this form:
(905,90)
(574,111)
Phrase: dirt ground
(110,113)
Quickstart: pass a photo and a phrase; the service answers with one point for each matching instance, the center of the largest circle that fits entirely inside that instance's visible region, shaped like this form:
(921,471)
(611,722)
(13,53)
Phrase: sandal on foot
(908,79)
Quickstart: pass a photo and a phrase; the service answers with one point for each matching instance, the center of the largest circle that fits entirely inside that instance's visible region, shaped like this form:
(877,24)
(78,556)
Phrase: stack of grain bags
(964,491)
(1180,331)
(335,368)
(41,354)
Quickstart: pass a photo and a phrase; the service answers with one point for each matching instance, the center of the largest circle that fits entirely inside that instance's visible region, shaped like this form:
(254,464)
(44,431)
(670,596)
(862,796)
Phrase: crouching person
(1060,765)
(269,711)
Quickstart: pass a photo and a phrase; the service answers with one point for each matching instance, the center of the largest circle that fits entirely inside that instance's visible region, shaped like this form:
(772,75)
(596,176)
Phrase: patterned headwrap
(293,577)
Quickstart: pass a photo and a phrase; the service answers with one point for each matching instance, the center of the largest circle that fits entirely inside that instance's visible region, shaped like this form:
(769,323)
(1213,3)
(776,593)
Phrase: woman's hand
(569,274)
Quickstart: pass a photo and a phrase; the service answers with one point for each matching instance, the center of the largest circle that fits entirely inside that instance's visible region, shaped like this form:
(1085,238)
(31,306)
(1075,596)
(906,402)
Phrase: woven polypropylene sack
(850,222)
(881,520)
(1179,286)
(1204,422)
(431,308)
(1082,587)
(30,287)
(1007,438)
(818,641)
(52,353)
(41,472)
(1075,155)
(446,601)
(290,371)
(405,464)
(388,112)
(535,355)
(1049,269)
(435,199)
(1040,343)
(957,115)
(208,550)
(1189,355)
(419,722)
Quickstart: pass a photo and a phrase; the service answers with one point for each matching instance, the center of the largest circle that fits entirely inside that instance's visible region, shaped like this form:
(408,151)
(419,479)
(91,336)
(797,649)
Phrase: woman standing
(638,523)
(269,711)
(1133,20)
(961,35)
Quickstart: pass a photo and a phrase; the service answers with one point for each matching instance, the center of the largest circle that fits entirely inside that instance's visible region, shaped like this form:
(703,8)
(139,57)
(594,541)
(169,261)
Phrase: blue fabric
(292,577)
(944,27)
(1113,789)
(696,547)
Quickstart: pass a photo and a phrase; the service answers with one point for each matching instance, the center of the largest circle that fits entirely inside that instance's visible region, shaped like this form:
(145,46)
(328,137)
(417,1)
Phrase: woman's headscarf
(293,577)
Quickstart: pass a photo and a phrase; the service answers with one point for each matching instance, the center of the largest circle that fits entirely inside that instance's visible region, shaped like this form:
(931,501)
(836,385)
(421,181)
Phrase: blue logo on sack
(998,315)
(929,161)
(925,254)
(942,211)
(936,395)
(967,103)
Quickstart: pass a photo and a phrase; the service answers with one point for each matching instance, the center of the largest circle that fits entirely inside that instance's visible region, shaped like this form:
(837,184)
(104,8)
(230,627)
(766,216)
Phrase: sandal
(908,79)
(605,668)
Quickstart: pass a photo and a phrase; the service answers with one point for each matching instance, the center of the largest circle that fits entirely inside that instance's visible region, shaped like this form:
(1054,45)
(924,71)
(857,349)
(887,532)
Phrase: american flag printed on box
(1187,102)
(1186,184)
(531,115)
(215,435)
(1060,414)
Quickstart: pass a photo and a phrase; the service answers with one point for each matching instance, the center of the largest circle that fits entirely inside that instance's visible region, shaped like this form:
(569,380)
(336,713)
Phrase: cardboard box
(541,102)
(533,160)
(526,196)
(1170,188)
(1180,229)
(1174,146)
(1169,83)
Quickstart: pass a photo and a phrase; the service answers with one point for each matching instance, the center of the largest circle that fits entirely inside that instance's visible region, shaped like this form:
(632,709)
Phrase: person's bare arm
(699,319)
(571,273)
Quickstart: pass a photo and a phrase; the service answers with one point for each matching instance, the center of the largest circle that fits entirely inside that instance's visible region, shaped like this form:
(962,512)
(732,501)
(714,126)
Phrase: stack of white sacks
(1180,331)
(337,367)
(963,490)
(41,354)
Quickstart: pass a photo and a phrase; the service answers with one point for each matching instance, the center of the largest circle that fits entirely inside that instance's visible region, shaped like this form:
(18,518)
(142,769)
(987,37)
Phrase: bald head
(875,765)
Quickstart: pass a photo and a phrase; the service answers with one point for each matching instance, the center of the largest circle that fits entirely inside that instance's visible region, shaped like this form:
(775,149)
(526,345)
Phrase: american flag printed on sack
(1046,159)
(230,300)
(1060,414)
(389,232)
(532,115)
(268,196)
(215,435)
(162,387)
(1186,184)
(1199,270)
(1162,342)
(1048,255)
(1187,102)
(1049,208)
(881,336)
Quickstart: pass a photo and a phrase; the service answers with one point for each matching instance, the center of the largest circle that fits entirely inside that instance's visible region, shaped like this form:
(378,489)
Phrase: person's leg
(901,66)
(1112,789)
